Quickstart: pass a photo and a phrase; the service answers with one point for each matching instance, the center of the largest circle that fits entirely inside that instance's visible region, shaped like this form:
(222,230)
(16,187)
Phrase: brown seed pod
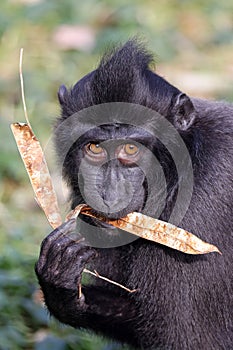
(35,164)
(154,230)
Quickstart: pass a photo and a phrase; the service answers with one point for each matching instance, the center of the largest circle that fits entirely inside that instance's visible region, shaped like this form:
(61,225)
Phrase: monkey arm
(59,270)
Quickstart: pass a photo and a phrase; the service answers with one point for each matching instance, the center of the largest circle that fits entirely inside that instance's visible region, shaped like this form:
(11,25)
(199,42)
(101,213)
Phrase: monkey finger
(80,252)
(52,260)
(62,230)
(73,256)
(78,259)
(65,228)
(62,252)
(55,252)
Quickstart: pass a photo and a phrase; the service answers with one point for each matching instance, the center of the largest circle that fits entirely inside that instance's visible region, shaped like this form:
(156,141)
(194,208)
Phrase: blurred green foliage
(190,39)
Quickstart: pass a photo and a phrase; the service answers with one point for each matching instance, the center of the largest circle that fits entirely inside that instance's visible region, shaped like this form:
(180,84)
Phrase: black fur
(183,301)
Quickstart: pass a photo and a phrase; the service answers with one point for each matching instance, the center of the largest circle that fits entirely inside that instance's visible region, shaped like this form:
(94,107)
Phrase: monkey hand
(59,269)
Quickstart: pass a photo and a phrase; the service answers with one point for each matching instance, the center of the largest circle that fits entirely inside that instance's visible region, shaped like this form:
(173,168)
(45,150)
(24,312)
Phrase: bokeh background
(62,41)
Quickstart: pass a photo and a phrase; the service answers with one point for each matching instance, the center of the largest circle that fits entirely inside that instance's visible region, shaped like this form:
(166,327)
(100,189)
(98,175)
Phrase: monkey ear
(62,94)
(183,112)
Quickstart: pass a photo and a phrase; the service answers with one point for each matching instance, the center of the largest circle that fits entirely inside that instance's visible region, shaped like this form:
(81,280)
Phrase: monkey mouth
(103,224)
(100,223)
(112,216)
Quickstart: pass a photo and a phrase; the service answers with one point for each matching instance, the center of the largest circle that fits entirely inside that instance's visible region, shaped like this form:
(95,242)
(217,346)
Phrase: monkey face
(112,173)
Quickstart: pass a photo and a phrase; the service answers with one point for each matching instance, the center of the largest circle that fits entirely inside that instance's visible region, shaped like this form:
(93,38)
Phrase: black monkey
(182,301)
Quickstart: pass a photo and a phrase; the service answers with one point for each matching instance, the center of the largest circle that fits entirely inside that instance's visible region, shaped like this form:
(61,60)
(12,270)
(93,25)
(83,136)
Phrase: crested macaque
(126,140)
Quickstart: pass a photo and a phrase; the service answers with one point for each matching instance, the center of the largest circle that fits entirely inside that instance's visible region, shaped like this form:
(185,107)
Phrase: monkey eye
(131,149)
(95,153)
(128,153)
(94,148)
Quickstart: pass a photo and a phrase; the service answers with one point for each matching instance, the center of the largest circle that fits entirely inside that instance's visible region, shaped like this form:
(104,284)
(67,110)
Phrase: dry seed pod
(76,211)
(154,230)
(35,164)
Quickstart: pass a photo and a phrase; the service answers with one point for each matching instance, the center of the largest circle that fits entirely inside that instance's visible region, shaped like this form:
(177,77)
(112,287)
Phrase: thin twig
(79,291)
(96,274)
(22,86)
